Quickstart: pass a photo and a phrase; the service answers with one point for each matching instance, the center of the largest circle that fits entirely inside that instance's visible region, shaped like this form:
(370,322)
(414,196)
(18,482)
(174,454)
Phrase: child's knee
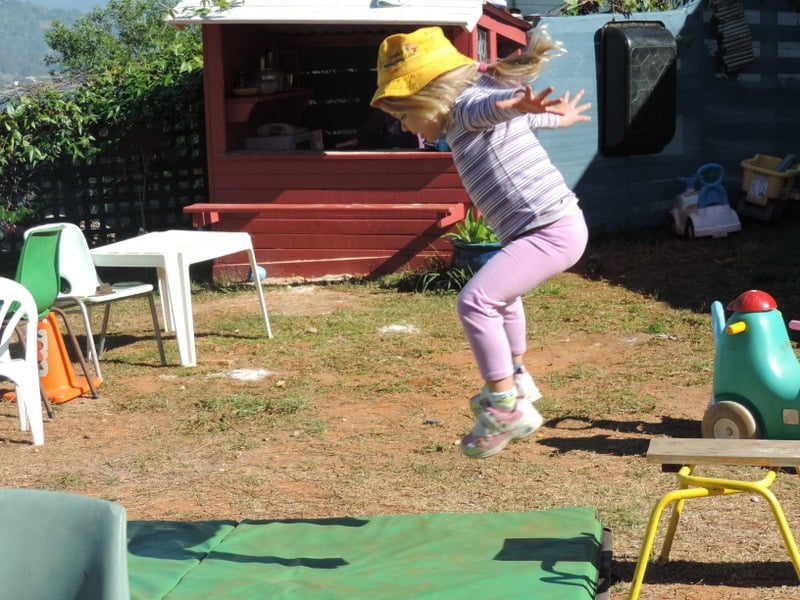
(473,300)
(464,302)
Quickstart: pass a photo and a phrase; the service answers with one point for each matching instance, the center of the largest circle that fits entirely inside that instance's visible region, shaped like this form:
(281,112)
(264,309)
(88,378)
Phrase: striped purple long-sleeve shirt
(503,166)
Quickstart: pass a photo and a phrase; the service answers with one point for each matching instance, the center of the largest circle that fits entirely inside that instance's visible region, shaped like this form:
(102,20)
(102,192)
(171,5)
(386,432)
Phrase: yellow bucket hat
(407,62)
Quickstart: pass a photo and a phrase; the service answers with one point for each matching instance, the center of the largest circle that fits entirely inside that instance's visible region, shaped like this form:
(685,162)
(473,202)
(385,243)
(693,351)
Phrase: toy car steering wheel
(711,192)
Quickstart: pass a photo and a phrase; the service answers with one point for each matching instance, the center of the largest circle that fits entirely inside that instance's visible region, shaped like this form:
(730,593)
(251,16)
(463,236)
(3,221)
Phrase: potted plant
(474,242)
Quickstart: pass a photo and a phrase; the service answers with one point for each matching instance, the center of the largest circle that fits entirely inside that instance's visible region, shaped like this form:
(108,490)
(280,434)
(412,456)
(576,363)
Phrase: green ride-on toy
(756,391)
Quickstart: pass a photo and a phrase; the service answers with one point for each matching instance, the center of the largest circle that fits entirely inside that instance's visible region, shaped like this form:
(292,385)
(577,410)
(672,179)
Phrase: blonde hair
(525,67)
(435,100)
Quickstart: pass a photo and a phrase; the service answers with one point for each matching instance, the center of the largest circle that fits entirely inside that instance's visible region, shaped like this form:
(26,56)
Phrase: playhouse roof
(463,13)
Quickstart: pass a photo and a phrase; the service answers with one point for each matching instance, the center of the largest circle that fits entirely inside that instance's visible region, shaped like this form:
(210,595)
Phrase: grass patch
(214,414)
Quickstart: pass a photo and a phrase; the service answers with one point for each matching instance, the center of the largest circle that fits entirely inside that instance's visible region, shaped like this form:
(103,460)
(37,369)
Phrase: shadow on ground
(692,273)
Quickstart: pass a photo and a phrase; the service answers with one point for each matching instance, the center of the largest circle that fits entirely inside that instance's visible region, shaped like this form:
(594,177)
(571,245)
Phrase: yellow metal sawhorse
(688,453)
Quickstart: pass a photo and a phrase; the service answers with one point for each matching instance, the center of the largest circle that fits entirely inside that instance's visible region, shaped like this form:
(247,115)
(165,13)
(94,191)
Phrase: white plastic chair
(81,287)
(18,310)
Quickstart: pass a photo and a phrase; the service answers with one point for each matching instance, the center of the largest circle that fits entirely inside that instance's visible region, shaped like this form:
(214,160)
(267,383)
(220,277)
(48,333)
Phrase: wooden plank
(261,228)
(445,214)
(312,263)
(300,255)
(337,243)
(383,182)
(351,162)
(695,451)
(304,196)
(323,266)
(345,211)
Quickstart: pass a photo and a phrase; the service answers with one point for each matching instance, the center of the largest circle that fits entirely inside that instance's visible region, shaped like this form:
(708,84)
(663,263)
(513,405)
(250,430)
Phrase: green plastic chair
(37,270)
(34,268)
(59,546)
(80,285)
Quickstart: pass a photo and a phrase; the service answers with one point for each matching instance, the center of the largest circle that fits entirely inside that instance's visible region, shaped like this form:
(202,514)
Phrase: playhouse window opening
(332,75)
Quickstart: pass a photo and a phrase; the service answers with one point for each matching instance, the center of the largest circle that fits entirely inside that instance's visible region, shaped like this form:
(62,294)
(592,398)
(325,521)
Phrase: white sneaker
(526,390)
(526,386)
(495,428)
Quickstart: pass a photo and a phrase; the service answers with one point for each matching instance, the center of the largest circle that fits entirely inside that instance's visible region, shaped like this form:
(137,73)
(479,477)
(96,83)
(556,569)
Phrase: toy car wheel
(729,420)
(688,231)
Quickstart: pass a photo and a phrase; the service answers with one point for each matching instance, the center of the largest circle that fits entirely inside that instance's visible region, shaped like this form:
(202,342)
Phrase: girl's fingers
(578,96)
(541,95)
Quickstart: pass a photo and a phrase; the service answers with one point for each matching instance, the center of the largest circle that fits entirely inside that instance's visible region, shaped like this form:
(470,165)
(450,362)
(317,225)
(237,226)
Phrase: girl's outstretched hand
(571,112)
(569,109)
(527,102)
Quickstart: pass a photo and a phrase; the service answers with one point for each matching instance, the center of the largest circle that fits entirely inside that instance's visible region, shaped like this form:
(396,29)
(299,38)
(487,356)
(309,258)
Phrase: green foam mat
(552,554)
(161,553)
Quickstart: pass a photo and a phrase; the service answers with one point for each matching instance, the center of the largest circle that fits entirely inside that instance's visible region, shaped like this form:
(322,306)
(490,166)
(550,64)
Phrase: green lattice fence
(112,197)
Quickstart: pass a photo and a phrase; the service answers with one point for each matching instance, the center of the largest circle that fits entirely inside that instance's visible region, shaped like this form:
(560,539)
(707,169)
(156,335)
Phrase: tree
(128,78)
(121,35)
(137,72)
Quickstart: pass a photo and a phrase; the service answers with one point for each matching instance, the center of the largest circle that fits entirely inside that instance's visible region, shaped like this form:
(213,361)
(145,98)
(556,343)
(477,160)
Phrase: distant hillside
(22,28)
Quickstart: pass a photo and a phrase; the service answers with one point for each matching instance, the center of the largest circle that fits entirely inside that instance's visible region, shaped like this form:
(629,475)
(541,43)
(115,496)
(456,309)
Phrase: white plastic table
(171,253)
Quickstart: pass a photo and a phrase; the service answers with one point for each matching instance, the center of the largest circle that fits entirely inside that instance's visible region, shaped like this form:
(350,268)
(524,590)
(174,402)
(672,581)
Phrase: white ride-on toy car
(704,211)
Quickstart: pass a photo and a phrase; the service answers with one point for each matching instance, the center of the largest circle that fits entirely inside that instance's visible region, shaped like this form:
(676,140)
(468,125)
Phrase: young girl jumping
(488,114)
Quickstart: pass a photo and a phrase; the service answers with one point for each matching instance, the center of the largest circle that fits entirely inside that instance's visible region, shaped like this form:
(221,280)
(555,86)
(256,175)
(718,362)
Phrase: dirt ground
(358,466)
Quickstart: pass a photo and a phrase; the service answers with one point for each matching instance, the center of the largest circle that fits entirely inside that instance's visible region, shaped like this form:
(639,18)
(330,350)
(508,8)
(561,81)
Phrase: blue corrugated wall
(722,119)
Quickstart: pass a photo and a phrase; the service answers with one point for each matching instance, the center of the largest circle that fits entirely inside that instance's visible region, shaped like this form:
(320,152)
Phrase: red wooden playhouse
(285,82)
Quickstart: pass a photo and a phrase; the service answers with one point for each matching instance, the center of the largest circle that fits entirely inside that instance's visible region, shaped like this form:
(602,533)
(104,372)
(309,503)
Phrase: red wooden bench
(204,214)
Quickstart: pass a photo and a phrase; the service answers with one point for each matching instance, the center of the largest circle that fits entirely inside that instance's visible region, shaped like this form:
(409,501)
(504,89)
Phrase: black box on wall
(637,88)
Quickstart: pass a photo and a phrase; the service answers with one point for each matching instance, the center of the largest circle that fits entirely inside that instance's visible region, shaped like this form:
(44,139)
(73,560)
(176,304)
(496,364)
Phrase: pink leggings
(490,305)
